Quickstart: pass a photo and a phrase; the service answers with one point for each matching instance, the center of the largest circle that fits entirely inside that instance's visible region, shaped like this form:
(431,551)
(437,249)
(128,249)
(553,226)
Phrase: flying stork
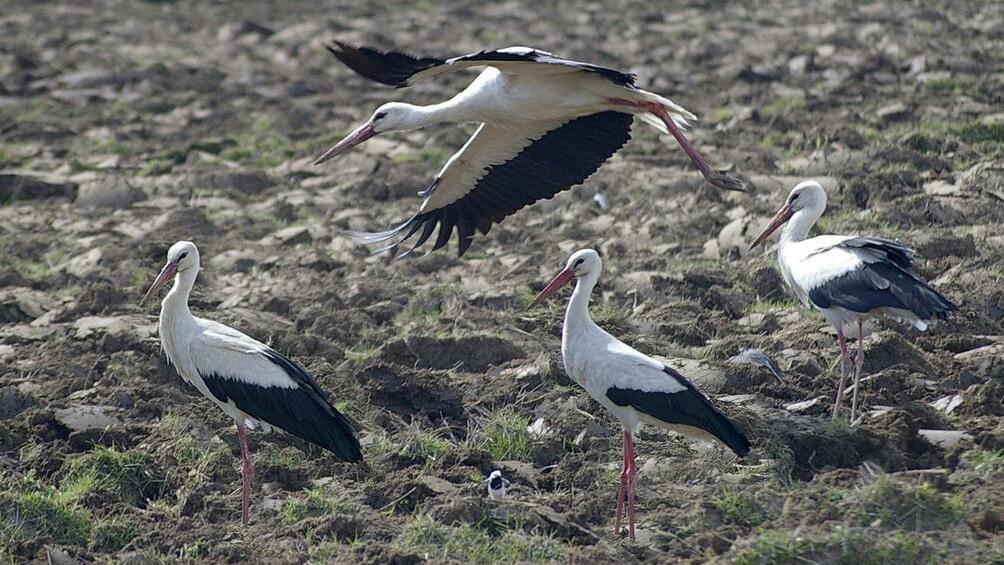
(546,124)
(849,279)
(635,387)
(251,382)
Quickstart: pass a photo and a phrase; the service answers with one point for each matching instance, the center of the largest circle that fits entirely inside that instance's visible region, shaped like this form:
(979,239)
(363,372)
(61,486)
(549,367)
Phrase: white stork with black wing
(849,279)
(633,386)
(251,382)
(546,124)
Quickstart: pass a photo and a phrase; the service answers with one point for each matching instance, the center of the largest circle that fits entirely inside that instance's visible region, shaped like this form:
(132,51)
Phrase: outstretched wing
(503,169)
(401,70)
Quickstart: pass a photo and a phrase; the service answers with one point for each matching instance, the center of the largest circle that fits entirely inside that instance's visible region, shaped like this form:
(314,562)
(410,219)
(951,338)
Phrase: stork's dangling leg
(719,179)
(621,488)
(845,362)
(632,470)
(858,363)
(246,471)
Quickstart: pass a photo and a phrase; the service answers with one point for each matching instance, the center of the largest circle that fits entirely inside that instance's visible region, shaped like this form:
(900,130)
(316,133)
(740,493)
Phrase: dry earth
(127,125)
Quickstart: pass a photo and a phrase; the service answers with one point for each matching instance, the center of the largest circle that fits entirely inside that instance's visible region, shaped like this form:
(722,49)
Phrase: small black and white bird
(497,485)
(546,124)
(251,382)
(849,279)
(633,386)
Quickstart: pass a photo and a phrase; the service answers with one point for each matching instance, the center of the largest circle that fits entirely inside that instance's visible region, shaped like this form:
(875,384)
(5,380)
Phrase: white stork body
(546,124)
(849,279)
(636,388)
(251,382)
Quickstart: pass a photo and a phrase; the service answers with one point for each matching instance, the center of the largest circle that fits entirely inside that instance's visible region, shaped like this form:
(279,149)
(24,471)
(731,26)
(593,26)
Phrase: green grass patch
(765,306)
(426,305)
(315,502)
(918,507)
(31,510)
(893,548)
(978,133)
(438,542)
(739,508)
(775,547)
(261,145)
(502,433)
(986,464)
(120,475)
(112,534)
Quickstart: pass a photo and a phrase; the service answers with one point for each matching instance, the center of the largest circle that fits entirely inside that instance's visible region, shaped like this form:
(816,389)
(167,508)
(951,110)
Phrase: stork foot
(725,181)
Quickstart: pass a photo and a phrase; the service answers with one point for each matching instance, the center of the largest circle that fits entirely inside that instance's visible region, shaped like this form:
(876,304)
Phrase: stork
(546,124)
(849,279)
(251,382)
(636,388)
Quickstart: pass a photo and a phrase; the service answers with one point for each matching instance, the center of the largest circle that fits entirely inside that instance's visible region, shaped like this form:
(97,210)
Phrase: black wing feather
(687,407)
(390,68)
(562,158)
(395,69)
(886,282)
(303,411)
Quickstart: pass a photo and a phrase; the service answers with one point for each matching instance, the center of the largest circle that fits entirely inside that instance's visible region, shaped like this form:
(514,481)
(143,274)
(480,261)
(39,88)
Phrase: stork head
(392,116)
(807,195)
(584,262)
(181,257)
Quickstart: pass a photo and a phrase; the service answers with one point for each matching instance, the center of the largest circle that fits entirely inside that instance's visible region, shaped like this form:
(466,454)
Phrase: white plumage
(633,386)
(547,124)
(849,279)
(249,381)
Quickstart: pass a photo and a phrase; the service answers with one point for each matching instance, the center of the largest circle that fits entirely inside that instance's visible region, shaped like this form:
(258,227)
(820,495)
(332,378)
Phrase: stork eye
(578,262)
(794,197)
(379,116)
(182,256)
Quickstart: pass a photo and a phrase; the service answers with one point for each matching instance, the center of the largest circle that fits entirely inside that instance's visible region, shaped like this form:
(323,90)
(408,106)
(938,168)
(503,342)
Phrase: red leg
(621,487)
(246,472)
(717,178)
(858,362)
(845,361)
(632,470)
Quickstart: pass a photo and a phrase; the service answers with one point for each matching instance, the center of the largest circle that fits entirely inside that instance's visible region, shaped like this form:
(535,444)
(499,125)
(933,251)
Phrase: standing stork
(251,382)
(635,387)
(849,279)
(546,124)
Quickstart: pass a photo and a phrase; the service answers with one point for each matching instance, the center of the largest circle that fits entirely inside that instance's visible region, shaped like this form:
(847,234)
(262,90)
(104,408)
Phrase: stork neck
(577,314)
(450,111)
(798,227)
(175,304)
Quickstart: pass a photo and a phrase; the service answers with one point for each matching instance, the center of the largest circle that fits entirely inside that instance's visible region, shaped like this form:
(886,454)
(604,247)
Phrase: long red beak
(560,280)
(166,274)
(782,216)
(361,134)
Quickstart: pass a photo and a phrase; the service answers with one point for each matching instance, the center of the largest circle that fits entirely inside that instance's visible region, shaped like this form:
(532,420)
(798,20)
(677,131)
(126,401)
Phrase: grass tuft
(315,502)
(503,435)
(739,508)
(438,542)
(122,475)
(917,507)
(775,547)
(31,510)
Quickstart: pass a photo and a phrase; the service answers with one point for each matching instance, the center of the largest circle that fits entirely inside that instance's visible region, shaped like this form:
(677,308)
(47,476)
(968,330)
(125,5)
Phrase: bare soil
(127,125)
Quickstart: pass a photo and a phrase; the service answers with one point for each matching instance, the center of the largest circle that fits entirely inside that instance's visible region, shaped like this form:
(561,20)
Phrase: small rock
(82,264)
(948,403)
(805,405)
(110,193)
(83,418)
(936,245)
(892,112)
(293,235)
(943,438)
